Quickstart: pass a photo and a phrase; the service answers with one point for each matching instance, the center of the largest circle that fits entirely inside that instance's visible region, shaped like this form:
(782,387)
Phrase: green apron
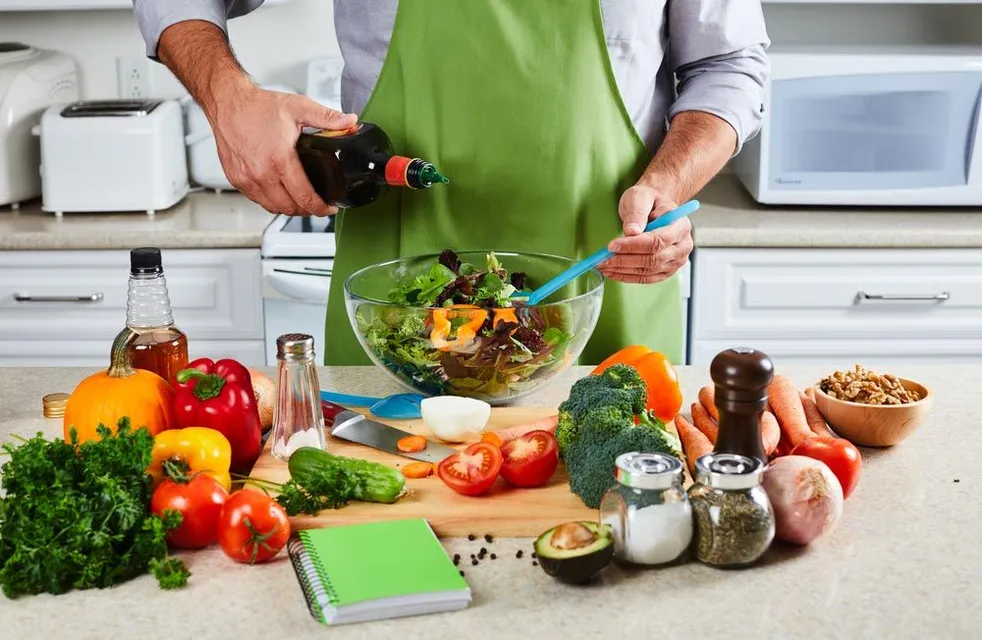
(516,101)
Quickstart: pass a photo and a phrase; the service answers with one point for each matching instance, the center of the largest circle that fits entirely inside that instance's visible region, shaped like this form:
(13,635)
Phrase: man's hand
(256,131)
(647,257)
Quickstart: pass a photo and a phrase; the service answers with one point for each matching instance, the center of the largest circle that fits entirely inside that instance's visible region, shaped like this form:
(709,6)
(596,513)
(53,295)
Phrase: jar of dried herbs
(734,521)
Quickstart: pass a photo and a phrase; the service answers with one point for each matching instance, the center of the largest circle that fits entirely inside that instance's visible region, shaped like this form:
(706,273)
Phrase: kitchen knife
(354,427)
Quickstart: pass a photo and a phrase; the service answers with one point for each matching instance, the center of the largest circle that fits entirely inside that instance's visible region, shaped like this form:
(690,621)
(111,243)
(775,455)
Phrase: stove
(297,261)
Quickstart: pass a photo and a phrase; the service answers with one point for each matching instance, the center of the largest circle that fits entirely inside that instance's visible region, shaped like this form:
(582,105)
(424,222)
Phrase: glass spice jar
(734,521)
(648,510)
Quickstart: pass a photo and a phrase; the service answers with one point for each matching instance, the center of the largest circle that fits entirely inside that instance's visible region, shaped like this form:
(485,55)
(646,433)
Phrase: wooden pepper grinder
(742,376)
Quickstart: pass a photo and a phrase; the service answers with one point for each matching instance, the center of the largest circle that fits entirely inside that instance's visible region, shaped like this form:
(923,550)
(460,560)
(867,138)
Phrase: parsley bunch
(78,516)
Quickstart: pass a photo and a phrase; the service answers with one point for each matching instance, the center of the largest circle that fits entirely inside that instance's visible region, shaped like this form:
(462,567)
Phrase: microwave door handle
(974,150)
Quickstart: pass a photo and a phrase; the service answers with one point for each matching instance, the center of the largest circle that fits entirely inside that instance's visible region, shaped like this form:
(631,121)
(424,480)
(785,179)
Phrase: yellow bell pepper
(203,450)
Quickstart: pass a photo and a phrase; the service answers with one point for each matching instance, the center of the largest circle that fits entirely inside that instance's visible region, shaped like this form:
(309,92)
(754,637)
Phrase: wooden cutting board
(505,511)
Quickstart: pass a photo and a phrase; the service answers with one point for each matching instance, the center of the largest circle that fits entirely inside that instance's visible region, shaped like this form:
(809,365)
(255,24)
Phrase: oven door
(295,300)
(891,138)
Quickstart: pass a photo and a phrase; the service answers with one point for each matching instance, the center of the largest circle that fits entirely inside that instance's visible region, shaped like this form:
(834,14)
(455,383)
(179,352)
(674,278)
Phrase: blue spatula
(586,264)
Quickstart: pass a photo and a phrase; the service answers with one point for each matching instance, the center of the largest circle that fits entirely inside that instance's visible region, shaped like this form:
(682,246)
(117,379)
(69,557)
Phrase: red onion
(806,496)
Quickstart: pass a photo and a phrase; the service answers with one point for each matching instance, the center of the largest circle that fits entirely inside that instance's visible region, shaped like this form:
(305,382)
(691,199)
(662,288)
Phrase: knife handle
(330,411)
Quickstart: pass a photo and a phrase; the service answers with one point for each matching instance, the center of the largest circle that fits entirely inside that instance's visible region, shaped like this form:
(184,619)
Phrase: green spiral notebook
(373,571)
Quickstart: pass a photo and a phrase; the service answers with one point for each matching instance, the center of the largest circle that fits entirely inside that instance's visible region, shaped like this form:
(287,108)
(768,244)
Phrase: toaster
(31,80)
(113,155)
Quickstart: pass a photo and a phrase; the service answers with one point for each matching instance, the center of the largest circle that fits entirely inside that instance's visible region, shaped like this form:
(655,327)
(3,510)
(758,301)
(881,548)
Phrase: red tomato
(199,501)
(472,471)
(664,394)
(530,460)
(252,527)
(840,455)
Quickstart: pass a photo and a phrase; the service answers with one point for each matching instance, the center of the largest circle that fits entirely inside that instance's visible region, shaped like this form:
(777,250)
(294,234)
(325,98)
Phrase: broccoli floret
(590,459)
(610,411)
(566,430)
(626,377)
(606,403)
(648,420)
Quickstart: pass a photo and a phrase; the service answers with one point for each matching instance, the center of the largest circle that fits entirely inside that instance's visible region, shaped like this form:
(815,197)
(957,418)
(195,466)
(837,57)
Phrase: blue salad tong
(399,406)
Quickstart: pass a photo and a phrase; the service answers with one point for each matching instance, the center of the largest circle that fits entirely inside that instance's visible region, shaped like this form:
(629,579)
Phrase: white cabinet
(63,308)
(839,305)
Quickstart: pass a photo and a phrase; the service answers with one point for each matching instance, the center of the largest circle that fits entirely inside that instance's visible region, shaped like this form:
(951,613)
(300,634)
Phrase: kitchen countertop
(728,218)
(203,220)
(903,562)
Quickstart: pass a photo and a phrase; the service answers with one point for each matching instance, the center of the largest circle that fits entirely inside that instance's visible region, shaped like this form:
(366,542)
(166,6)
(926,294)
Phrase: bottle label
(396,171)
(325,133)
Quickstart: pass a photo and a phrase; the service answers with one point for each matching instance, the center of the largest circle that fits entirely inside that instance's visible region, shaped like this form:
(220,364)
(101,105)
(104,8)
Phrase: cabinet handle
(92,297)
(925,297)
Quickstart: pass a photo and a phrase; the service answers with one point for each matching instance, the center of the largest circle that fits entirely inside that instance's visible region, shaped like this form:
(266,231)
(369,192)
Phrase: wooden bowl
(875,425)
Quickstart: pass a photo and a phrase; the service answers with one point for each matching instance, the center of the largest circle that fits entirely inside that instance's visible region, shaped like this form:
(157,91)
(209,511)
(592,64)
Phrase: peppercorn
(488,538)
(471,537)
(533,555)
(474,562)
(519,554)
(494,557)
(461,573)
(534,563)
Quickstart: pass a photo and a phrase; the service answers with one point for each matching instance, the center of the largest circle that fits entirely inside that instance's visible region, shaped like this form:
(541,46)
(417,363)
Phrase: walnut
(867,387)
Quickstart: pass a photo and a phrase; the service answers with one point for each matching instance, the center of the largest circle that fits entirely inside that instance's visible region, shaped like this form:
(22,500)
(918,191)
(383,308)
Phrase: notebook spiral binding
(316,588)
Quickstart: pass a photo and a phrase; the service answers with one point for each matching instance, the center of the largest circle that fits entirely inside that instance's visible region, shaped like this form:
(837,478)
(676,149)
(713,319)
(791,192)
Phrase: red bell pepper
(218,395)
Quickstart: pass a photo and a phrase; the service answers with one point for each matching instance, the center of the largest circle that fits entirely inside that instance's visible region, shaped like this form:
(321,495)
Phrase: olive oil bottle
(356,167)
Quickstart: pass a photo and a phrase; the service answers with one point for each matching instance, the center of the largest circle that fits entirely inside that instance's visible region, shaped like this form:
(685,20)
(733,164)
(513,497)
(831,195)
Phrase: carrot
(694,443)
(417,469)
(411,444)
(492,438)
(770,432)
(785,401)
(708,402)
(815,420)
(704,423)
(543,424)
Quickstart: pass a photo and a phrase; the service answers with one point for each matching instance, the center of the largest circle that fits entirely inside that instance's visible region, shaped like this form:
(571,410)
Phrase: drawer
(837,293)
(215,294)
(95,353)
(895,356)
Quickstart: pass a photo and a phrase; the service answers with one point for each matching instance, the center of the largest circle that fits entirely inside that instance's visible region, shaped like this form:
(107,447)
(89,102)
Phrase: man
(549,115)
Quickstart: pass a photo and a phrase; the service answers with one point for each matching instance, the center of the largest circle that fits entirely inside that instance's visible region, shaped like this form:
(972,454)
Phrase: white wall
(275,42)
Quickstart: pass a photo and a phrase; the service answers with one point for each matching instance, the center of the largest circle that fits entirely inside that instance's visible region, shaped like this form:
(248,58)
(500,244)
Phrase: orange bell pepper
(442,326)
(203,450)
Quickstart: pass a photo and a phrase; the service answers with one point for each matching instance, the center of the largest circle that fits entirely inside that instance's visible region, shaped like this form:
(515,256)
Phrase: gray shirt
(713,49)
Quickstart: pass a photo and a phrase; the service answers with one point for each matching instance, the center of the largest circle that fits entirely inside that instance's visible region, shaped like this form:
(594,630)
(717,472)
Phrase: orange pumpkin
(120,391)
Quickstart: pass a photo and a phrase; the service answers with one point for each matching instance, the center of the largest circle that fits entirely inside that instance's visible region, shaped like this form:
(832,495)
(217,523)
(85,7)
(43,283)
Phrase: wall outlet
(133,77)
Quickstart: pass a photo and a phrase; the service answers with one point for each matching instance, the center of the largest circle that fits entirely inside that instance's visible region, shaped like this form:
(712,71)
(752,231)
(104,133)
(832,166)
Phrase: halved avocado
(575,552)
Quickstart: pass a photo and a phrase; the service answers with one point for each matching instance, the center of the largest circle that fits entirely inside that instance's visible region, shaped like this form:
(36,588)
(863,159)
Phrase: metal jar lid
(295,346)
(729,471)
(53,405)
(648,470)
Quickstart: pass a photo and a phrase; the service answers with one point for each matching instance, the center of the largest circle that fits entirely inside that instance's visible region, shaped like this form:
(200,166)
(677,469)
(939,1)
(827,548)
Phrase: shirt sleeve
(154,16)
(717,50)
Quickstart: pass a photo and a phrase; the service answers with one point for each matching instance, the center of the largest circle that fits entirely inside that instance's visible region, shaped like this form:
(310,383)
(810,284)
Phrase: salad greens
(458,330)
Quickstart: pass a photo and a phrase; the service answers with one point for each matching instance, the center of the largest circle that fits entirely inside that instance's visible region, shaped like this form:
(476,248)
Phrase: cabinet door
(837,294)
(95,353)
(81,295)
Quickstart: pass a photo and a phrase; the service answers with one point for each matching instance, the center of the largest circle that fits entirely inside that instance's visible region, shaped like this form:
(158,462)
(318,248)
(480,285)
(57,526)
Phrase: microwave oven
(867,127)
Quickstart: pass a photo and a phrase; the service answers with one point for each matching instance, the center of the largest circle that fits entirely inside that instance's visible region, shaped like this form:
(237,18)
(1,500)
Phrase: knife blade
(354,427)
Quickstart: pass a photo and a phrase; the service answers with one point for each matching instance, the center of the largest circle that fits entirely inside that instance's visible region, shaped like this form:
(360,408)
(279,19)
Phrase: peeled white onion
(454,418)
(806,496)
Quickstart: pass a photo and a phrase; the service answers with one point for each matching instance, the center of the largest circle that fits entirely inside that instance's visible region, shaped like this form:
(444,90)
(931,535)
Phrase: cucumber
(375,482)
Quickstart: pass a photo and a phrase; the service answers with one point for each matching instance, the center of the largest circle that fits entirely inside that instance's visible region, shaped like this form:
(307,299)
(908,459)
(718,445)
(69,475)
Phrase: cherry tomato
(840,455)
(664,394)
(252,527)
(627,355)
(199,501)
(530,460)
(472,471)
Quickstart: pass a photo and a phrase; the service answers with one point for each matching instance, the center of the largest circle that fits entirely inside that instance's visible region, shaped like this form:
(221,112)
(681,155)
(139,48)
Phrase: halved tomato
(530,460)
(472,471)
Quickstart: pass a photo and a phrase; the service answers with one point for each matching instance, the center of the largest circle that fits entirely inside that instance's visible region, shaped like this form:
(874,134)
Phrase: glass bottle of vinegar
(356,167)
(158,345)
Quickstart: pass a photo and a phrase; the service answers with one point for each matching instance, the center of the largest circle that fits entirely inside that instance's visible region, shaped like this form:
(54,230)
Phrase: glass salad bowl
(448,324)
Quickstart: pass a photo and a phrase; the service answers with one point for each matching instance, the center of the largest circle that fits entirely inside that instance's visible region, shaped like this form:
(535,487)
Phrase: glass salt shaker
(648,510)
(734,520)
(297,420)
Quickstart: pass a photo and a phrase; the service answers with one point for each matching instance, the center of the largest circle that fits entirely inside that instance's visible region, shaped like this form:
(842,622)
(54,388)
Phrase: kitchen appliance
(870,126)
(113,155)
(204,166)
(297,259)
(354,427)
(31,80)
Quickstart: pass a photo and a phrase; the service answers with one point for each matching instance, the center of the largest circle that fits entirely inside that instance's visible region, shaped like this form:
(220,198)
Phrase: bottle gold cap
(53,405)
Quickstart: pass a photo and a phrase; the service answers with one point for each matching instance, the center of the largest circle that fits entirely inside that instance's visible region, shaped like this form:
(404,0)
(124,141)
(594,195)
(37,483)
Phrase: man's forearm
(695,148)
(198,53)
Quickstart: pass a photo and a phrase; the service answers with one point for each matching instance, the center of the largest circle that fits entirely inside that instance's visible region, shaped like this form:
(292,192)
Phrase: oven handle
(307,284)
(92,297)
(862,296)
